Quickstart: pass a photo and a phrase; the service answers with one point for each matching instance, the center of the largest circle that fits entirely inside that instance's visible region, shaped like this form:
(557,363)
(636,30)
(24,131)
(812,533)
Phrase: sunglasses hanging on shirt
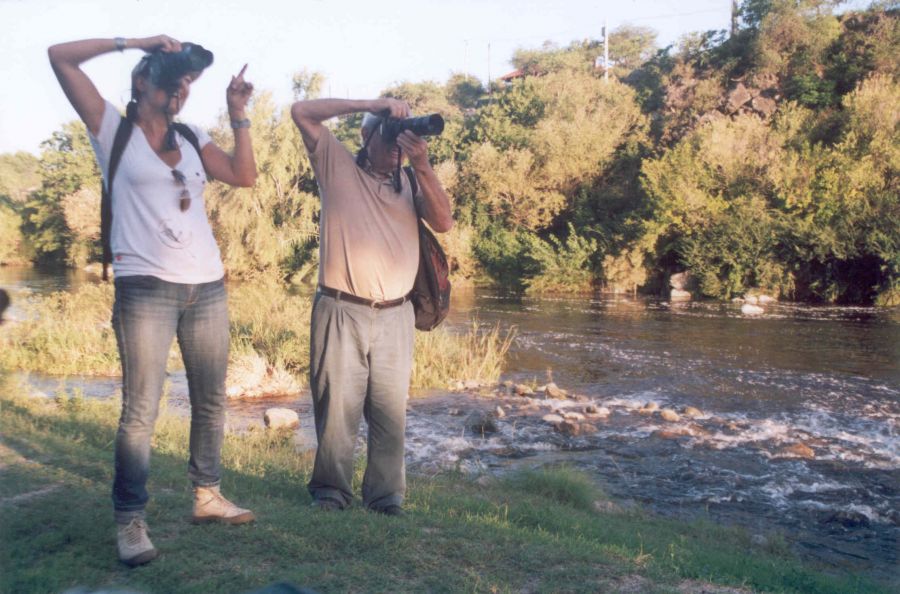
(184,200)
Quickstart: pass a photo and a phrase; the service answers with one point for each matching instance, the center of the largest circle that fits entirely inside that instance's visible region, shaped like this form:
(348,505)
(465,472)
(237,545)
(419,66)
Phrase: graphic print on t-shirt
(173,236)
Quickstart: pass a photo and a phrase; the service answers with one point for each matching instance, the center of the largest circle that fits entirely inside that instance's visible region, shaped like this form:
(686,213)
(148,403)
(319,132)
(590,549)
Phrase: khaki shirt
(368,233)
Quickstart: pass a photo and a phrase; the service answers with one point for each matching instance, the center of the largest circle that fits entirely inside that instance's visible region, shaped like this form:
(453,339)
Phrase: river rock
(669,415)
(499,412)
(698,430)
(691,412)
(555,392)
(751,299)
(570,428)
(482,422)
(598,412)
(472,384)
(748,309)
(797,450)
(649,408)
(765,299)
(281,418)
(679,295)
(670,433)
(455,412)
(523,390)
(587,428)
(553,419)
(509,384)
(573,416)
(848,519)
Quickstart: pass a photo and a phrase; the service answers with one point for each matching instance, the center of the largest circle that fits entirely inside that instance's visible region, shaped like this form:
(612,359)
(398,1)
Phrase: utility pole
(466,60)
(490,87)
(605,51)
(734,17)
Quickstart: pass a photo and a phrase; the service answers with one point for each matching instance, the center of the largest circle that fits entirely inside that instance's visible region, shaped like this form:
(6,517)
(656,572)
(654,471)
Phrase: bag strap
(123,133)
(189,135)
(414,185)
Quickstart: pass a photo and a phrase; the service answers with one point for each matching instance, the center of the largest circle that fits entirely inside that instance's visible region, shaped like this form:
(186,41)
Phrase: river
(825,380)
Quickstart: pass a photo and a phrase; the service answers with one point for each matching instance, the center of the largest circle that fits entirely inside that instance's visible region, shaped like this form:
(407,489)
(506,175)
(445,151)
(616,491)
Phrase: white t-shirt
(150,234)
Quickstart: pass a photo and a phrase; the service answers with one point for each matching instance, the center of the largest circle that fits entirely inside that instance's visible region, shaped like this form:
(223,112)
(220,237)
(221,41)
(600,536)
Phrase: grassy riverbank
(537,532)
(70,334)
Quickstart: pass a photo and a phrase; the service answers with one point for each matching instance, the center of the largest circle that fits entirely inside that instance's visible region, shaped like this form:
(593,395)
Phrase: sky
(362,47)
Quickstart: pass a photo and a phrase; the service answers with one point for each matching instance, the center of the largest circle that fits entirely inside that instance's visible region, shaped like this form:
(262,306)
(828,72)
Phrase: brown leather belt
(349,297)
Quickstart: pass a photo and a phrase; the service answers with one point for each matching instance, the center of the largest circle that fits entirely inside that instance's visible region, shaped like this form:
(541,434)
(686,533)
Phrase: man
(362,328)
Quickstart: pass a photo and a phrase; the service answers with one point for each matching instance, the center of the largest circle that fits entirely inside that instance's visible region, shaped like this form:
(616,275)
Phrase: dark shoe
(327,504)
(391,510)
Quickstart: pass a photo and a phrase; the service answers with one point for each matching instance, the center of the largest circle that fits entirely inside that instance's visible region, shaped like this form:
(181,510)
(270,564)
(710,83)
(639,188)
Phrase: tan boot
(133,543)
(211,506)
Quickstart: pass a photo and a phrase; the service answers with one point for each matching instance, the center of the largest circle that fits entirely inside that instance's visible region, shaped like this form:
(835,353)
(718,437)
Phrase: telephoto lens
(429,125)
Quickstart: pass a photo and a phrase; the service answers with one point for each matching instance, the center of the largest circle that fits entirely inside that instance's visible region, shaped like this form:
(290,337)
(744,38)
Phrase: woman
(168,271)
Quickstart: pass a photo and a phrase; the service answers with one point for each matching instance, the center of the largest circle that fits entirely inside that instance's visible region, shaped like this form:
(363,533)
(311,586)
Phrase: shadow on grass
(537,532)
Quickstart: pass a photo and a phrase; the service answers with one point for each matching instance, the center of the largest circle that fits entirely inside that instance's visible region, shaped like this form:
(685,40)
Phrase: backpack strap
(189,135)
(123,133)
(414,185)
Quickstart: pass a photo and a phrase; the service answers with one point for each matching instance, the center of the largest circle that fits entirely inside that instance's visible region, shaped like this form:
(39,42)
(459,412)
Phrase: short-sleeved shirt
(368,232)
(150,234)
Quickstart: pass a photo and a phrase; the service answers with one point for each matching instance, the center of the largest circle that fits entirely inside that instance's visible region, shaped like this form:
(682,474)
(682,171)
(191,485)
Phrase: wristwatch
(245,123)
(120,43)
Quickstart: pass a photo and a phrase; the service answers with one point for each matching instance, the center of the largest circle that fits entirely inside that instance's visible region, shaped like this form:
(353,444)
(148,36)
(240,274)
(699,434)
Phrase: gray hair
(370,121)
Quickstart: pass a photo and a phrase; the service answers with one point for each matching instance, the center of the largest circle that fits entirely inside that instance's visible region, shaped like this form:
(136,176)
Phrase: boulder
(281,418)
(472,384)
(499,412)
(587,428)
(797,450)
(555,392)
(848,519)
(523,390)
(748,309)
(764,299)
(482,422)
(691,412)
(669,415)
(649,408)
(601,411)
(679,295)
(553,419)
(573,416)
(570,428)
(669,433)
(737,98)
(763,105)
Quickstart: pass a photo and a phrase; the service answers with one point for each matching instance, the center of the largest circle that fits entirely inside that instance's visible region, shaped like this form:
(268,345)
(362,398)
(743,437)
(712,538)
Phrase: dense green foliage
(767,159)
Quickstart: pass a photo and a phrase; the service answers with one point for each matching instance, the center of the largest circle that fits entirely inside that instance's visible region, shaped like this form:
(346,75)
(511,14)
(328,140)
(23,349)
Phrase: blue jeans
(148,313)
(360,365)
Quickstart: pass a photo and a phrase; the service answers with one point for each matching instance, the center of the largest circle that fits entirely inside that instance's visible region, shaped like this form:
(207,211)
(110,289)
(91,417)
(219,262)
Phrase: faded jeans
(148,313)
(360,365)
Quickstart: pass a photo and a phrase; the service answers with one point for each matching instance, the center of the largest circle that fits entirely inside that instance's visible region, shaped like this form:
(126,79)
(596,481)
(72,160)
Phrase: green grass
(70,334)
(536,532)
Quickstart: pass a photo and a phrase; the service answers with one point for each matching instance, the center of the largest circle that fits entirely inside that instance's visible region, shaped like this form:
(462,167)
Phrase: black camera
(429,125)
(166,69)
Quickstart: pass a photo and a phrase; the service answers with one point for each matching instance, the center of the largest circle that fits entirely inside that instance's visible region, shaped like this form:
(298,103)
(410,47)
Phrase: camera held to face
(429,125)
(166,69)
